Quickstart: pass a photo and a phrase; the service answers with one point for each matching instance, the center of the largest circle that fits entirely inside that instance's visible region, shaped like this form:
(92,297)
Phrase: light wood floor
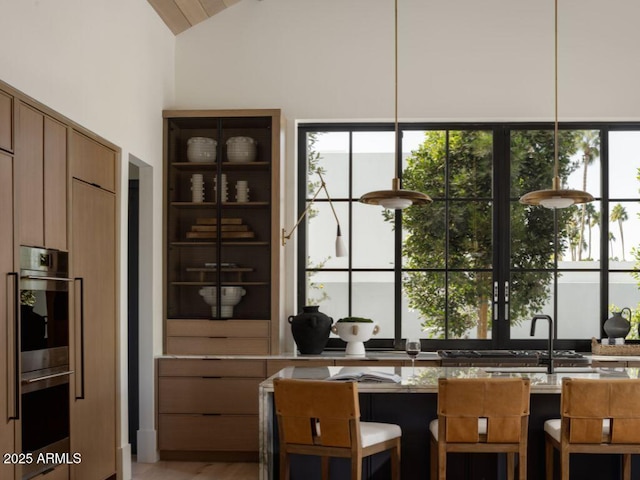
(194,471)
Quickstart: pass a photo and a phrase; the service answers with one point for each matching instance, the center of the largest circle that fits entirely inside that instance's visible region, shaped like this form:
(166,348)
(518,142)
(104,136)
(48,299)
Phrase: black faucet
(533,331)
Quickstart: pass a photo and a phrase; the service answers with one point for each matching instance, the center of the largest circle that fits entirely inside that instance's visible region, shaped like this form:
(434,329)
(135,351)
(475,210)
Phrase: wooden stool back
(481,415)
(323,418)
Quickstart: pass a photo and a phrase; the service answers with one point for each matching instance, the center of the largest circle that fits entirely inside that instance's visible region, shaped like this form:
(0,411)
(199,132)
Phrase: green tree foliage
(316,293)
(456,230)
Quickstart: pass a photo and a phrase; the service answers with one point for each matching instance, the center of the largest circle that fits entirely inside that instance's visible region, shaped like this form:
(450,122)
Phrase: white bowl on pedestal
(230,296)
(355,334)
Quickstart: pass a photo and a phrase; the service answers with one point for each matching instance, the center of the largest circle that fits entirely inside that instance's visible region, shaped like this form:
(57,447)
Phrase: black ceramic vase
(617,326)
(310,330)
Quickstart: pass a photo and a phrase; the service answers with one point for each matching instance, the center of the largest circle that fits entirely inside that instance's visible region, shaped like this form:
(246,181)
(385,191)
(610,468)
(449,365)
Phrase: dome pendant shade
(556,197)
(396,198)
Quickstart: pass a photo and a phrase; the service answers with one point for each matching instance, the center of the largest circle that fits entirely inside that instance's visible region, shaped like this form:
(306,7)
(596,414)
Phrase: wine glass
(412,347)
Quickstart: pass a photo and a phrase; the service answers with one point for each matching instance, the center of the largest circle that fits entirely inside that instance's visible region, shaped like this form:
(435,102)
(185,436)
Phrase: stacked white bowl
(241,149)
(201,149)
(230,297)
(242,191)
(197,188)
(224,193)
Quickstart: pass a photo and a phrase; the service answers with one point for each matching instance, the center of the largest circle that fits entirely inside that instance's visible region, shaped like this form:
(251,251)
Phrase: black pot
(310,330)
(617,326)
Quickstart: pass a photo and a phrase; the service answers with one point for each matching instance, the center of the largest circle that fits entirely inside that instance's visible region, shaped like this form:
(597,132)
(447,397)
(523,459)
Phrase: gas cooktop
(527,356)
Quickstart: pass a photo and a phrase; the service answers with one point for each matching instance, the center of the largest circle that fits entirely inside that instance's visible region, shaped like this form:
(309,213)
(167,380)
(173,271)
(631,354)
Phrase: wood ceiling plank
(193,10)
(171,15)
(213,6)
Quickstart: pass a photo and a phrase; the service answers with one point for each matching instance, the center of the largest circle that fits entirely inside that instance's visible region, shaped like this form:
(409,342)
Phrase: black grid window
(470,269)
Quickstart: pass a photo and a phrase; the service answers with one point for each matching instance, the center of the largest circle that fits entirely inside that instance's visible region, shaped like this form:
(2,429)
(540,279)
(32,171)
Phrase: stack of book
(230,228)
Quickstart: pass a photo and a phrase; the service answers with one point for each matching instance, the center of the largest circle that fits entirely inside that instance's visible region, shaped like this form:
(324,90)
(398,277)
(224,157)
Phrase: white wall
(109,66)
(459,60)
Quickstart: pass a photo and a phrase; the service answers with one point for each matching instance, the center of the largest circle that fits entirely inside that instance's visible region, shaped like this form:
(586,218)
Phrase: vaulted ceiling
(179,15)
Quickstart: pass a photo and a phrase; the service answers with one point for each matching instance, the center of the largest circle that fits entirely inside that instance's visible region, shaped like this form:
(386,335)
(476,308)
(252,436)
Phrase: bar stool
(481,415)
(597,416)
(322,418)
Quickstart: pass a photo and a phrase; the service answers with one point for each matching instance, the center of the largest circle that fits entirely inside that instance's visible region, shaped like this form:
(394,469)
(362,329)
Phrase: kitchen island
(412,402)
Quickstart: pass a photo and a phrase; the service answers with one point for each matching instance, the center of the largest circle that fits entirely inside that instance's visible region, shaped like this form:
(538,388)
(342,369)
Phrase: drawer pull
(211,376)
(211,414)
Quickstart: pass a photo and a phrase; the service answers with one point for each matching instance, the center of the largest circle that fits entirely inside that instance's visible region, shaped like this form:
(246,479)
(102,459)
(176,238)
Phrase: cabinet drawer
(274,366)
(6,122)
(208,433)
(218,328)
(609,364)
(217,346)
(93,162)
(208,395)
(211,367)
(61,472)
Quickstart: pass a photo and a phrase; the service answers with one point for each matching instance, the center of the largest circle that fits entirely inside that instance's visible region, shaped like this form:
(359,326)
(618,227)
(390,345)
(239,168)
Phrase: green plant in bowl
(355,320)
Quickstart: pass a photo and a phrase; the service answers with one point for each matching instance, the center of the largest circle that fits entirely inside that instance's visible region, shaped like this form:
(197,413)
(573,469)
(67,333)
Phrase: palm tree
(619,214)
(593,218)
(612,239)
(590,146)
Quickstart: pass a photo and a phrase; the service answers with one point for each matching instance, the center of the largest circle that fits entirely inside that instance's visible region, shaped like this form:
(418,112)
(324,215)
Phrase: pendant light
(396,198)
(556,197)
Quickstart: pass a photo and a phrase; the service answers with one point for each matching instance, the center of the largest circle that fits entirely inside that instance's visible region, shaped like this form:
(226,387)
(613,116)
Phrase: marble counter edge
(378,356)
(425,379)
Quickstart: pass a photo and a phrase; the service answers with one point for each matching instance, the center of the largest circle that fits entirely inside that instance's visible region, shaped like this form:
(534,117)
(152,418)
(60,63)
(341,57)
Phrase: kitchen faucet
(533,331)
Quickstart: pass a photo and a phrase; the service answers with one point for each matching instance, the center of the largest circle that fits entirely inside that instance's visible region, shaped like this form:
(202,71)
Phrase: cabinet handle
(52,279)
(16,346)
(80,280)
(47,377)
(210,376)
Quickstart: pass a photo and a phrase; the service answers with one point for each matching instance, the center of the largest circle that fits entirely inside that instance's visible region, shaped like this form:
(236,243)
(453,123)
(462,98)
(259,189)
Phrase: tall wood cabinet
(94,398)
(58,191)
(8,309)
(218,243)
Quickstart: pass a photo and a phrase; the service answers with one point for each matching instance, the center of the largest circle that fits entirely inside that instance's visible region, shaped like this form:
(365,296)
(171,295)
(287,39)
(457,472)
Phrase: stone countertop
(425,379)
(615,358)
(327,355)
(374,355)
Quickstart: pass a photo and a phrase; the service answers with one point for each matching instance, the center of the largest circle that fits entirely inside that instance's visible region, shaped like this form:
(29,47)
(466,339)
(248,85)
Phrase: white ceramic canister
(201,149)
(242,191)
(197,188)
(241,149)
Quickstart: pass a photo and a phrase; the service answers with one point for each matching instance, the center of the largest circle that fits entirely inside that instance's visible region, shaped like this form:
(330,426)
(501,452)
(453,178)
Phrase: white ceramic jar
(241,149)
(201,149)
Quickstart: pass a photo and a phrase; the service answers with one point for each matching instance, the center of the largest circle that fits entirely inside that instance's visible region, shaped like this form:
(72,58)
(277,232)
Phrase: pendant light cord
(556,172)
(395,56)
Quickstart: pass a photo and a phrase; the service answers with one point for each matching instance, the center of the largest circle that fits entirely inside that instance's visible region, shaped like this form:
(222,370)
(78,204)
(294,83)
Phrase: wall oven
(44,354)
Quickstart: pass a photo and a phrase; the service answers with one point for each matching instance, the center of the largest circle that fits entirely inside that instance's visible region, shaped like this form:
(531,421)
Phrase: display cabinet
(221,220)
